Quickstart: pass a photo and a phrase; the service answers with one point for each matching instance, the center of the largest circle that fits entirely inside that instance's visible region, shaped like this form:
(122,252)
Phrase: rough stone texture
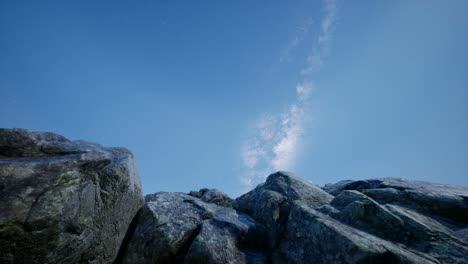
(179,228)
(269,203)
(311,237)
(445,201)
(212,196)
(63,201)
(422,217)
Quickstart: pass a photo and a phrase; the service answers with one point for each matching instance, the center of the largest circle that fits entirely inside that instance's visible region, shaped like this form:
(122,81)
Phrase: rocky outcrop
(425,218)
(179,228)
(450,203)
(212,196)
(269,203)
(287,219)
(63,201)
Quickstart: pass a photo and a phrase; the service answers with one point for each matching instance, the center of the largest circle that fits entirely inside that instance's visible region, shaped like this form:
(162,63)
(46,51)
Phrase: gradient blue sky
(220,93)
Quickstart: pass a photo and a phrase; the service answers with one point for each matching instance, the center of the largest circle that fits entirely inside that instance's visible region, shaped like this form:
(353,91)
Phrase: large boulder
(423,217)
(312,237)
(63,201)
(269,203)
(447,202)
(180,228)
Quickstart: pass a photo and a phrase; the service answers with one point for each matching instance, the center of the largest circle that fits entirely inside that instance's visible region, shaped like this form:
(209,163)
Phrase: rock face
(63,201)
(287,219)
(179,228)
(420,217)
(270,203)
(212,196)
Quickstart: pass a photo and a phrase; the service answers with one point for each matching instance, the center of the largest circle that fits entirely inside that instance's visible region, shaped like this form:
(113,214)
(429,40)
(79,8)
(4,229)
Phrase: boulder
(269,203)
(407,213)
(63,201)
(212,196)
(362,212)
(448,202)
(312,237)
(180,228)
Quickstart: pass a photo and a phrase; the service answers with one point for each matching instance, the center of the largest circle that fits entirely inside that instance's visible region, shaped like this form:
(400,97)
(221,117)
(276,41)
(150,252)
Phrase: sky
(220,94)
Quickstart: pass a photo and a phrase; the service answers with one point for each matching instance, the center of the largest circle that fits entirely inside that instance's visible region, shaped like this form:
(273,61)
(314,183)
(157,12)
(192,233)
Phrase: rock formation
(68,201)
(63,201)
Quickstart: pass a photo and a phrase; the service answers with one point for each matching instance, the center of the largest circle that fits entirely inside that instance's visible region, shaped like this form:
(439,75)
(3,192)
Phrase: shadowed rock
(408,213)
(311,237)
(212,196)
(63,201)
(448,202)
(269,203)
(179,228)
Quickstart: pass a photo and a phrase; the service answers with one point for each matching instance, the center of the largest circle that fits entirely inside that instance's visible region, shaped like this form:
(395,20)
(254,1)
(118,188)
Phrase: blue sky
(220,93)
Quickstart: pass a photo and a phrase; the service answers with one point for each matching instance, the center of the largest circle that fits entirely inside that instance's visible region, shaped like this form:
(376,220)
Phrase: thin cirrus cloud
(275,139)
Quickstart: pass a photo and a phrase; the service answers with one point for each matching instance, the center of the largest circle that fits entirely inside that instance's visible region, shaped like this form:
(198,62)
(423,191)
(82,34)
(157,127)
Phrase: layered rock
(450,203)
(63,201)
(421,217)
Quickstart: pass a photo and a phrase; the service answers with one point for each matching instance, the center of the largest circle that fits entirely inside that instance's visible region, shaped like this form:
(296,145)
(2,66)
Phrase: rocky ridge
(64,201)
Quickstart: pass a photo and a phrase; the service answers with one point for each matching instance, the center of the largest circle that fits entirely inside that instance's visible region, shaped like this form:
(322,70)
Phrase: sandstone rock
(63,201)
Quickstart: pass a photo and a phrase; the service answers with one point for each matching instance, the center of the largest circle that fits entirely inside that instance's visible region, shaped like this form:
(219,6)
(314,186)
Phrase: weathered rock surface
(420,217)
(269,203)
(212,196)
(179,228)
(63,201)
(311,237)
(440,200)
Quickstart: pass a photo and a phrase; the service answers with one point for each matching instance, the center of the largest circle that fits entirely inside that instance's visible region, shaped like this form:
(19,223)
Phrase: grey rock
(179,228)
(407,213)
(269,203)
(213,196)
(362,212)
(463,233)
(448,202)
(63,201)
(426,235)
(312,237)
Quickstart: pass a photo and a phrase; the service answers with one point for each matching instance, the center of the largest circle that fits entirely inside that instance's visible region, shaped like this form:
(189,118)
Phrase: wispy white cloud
(322,47)
(301,32)
(276,138)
